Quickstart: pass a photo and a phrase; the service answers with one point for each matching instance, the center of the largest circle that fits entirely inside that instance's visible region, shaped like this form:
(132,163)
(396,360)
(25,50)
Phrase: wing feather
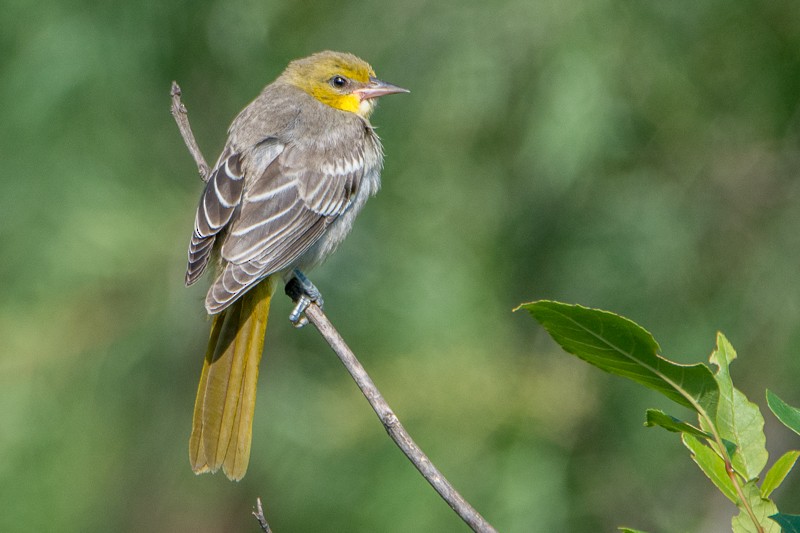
(220,198)
(281,214)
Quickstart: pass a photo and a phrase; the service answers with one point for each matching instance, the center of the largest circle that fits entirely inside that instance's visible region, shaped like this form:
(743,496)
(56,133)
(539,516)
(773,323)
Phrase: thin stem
(722,452)
(393,426)
(735,480)
(259,514)
(181,117)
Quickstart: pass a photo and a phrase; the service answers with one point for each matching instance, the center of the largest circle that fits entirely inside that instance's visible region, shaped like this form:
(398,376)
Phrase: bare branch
(259,514)
(181,117)
(393,426)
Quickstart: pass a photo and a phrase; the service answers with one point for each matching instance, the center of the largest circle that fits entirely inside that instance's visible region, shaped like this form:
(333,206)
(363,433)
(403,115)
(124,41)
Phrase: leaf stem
(721,450)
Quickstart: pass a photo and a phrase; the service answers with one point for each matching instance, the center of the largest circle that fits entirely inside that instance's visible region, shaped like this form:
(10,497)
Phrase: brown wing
(281,215)
(222,194)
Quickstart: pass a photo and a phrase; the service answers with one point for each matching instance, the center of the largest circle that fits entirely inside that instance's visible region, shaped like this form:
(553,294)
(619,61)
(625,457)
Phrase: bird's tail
(222,426)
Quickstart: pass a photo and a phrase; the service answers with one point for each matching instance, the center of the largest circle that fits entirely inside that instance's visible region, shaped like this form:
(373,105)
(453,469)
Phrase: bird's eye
(339,81)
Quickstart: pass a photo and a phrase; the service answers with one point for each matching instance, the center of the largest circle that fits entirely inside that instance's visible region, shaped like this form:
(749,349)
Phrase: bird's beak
(376,88)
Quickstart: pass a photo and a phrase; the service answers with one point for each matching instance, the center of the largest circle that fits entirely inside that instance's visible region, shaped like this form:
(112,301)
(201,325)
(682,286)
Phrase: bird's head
(340,80)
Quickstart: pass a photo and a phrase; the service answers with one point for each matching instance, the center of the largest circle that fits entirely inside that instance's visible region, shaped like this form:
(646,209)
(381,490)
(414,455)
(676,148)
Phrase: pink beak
(377,88)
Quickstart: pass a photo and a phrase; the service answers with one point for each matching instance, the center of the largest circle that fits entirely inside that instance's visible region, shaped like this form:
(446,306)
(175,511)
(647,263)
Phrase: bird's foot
(303,293)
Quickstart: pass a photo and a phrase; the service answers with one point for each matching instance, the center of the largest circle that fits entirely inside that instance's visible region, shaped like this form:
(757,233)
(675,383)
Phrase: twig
(387,417)
(259,514)
(393,426)
(181,117)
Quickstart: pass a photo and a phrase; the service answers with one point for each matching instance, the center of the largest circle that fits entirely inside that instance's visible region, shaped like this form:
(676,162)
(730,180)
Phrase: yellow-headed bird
(299,164)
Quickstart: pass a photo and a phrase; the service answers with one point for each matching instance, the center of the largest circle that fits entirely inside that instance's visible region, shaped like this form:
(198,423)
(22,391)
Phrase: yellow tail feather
(222,426)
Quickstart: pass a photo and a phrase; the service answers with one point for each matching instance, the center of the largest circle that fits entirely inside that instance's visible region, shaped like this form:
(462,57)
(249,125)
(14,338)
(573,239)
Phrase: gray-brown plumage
(281,187)
(299,164)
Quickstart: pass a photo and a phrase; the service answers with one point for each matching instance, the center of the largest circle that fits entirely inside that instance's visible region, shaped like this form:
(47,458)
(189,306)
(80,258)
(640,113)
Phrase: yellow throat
(334,78)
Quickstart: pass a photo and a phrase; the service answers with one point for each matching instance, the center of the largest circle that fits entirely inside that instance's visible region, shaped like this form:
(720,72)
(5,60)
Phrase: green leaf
(629,530)
(656,417)
(738,420)
(712,466)
(789,522)
(620,346)
(778,472)
(762,508)
(790,416)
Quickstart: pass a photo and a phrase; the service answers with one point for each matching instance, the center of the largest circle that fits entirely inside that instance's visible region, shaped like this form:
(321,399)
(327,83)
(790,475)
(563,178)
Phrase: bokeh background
(637,156)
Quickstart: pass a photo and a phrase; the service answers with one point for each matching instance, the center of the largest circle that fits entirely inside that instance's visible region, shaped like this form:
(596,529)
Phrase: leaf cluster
(727,442)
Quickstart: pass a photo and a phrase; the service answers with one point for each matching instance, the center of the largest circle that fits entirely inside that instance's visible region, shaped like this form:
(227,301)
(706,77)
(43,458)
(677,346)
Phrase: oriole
(299,164)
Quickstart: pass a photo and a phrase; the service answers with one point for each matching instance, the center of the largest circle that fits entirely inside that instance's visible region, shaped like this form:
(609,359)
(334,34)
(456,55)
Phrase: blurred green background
(638,156)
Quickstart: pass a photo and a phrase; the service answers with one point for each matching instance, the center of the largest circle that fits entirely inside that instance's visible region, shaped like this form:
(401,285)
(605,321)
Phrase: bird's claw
(297,317)
(304,293)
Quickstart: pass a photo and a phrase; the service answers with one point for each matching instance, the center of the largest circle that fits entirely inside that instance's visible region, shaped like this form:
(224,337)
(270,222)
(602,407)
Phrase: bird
(299,164)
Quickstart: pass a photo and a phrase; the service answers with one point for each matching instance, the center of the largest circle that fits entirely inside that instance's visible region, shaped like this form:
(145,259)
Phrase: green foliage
(670,423)
(619,346)
(737,419)
(730,445)
(790,523)
(790,416)
(712,465)
(778,472)
(755,512)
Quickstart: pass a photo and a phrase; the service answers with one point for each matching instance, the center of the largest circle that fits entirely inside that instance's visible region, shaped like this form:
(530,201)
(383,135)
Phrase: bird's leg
(302,292)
